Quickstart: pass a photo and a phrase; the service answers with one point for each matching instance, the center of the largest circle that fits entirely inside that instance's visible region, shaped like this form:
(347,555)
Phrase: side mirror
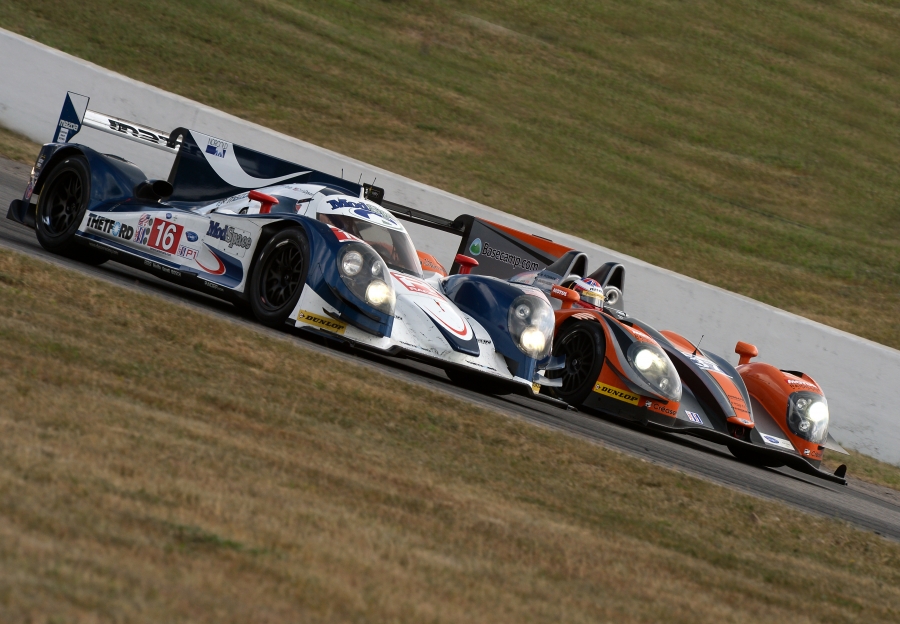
(465,263)
(266,201)
(747,352)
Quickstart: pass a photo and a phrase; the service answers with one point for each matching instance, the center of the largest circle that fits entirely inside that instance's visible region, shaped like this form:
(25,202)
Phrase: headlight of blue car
(531,325)
(366,275)
(655,368)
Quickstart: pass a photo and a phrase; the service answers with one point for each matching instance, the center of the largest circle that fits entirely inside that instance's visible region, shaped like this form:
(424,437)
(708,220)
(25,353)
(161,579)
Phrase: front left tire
(583,343)
(278,277)
(63,203)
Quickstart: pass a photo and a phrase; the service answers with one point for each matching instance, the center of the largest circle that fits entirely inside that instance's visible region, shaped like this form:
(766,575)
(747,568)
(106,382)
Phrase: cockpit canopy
(375,226)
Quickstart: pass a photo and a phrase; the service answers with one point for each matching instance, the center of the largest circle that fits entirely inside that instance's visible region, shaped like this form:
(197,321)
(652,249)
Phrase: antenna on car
(698,345)
(342,173)
(360,179)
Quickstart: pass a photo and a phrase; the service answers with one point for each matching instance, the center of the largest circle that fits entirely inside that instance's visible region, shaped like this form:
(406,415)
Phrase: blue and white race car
(294,245)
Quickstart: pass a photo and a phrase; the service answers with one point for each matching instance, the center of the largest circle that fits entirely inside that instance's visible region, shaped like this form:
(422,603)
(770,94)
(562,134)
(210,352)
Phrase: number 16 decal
(165,235)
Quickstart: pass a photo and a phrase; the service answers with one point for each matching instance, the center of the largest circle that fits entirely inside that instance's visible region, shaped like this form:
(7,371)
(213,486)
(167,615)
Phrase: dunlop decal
(616,393)
(322,322)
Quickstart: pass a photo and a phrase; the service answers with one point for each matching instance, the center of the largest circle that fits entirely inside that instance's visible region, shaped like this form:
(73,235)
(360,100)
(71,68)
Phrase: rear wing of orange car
(500,251)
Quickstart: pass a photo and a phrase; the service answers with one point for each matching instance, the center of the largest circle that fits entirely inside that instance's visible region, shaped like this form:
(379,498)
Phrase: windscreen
(393,246)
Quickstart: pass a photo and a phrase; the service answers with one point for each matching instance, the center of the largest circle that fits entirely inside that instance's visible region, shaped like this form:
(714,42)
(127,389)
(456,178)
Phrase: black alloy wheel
(583,343)
(63,203)
(278,276)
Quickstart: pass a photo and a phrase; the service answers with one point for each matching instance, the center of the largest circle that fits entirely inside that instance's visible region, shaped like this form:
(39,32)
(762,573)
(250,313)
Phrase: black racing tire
(278,276)
(483,384)
(64,200)
(749,456)
(584,345)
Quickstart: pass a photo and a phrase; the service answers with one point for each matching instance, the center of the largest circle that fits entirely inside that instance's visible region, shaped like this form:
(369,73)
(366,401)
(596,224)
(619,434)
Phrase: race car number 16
(165,235)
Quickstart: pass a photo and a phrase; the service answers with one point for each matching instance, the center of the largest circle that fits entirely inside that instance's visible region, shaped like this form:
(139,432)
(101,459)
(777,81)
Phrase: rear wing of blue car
(205,167)
(210,168)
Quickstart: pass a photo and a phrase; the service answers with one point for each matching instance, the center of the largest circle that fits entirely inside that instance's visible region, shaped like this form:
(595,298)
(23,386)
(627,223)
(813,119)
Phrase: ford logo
(168,215)
(191,236)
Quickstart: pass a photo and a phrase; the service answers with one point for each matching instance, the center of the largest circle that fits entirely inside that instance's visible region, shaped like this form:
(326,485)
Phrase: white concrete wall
(857,374)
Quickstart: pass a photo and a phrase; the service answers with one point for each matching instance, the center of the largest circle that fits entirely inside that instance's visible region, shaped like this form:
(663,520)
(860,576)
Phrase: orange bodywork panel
(742,416)
(429,263)
(608,383)
(772,388)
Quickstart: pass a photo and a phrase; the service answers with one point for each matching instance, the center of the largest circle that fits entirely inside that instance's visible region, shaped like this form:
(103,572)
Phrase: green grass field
(161,465)
(755,146)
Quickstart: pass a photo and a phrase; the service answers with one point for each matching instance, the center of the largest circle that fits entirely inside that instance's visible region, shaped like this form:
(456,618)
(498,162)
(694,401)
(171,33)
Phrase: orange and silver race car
(623,367)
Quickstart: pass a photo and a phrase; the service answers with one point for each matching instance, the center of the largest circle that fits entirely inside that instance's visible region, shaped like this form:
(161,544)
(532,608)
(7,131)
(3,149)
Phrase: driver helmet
(590,291)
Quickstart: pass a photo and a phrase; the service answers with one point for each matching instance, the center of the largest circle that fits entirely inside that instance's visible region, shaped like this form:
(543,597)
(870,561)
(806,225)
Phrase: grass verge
(865,468)
(752,146)
(16,147)
(157,464)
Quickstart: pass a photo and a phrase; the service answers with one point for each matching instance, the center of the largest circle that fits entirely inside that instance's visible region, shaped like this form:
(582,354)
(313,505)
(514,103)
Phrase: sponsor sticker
(164,235)
(536,388)
(216,147)
(693,417)
(362,209)
(776,441)
(475,247)
(653,406)
(63,135)
(641,336)
(322,322)
(616,393)
(415,285)
(187,252)
(191,237)
(801,382)
(705,364)
(109,226)
(507,258)
(230,235)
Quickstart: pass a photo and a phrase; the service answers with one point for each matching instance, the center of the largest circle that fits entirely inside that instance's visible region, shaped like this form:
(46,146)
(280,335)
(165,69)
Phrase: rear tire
(584,345)
(278,277)
(755,459)
(60,211)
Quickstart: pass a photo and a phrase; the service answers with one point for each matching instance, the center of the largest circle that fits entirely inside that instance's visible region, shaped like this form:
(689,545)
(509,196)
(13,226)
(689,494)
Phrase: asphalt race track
(866,506)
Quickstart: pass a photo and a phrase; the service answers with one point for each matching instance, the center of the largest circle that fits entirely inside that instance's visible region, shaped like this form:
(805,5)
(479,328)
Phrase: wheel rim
(578,347)
(282,276)
(64,203)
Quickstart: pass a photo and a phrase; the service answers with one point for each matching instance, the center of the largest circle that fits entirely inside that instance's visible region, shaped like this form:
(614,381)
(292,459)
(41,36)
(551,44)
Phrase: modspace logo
(232,236)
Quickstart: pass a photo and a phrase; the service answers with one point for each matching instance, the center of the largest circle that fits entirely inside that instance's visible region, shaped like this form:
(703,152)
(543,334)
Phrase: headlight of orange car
(808,416)
(655,367)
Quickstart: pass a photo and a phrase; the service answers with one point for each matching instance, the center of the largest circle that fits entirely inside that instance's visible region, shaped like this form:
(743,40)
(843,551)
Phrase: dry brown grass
(16,147)
(752,145)
(866,468)
(157,465)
